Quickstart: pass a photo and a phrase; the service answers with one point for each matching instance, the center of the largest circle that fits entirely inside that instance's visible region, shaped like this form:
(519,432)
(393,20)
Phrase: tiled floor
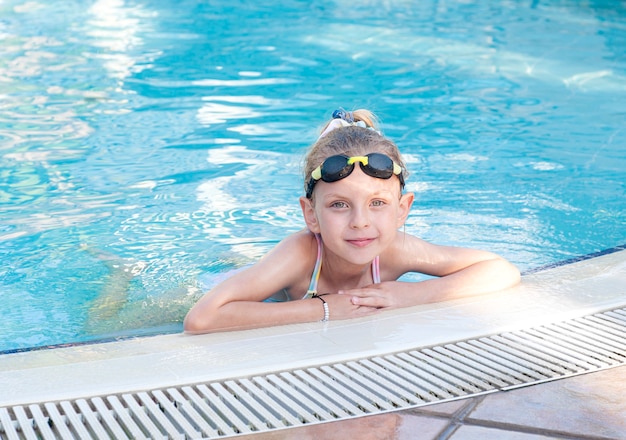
(591,406)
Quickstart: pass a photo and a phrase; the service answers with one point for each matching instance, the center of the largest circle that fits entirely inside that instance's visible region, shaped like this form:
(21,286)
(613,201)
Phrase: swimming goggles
(340,166)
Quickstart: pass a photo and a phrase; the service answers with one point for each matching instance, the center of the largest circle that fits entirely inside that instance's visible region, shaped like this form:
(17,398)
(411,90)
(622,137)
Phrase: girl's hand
(376,296)
(341,307)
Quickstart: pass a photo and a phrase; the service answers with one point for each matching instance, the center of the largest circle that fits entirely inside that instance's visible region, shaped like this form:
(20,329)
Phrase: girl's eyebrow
(340,195)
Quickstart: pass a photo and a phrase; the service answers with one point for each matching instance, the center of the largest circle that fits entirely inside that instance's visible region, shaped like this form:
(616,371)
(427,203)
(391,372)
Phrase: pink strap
(376,270)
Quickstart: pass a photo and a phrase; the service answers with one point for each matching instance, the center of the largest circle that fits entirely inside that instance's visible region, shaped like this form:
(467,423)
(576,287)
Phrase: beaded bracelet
(325,305)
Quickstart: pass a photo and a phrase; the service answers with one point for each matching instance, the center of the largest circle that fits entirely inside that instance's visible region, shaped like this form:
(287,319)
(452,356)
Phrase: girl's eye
(339,205)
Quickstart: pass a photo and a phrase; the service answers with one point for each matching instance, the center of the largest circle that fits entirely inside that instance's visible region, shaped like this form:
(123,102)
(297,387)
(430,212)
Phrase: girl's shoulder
(297,251)
(407,253)
(301,242)
(292,260)
(405,242)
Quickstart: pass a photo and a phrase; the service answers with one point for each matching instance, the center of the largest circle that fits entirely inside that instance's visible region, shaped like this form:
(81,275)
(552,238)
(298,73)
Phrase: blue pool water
(172,133)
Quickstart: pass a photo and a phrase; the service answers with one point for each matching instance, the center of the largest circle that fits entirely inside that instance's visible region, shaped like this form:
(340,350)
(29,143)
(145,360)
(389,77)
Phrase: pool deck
(589,406)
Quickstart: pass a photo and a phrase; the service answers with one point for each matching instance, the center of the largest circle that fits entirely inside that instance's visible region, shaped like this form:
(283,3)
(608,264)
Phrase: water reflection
(114,28)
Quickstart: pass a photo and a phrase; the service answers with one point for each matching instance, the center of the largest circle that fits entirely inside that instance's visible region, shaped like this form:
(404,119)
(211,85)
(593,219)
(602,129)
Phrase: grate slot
(58,421)
(337,404)
(401,363)
(519,372)
(558,361)
(412,396)
(553,347)
(614,318)
(602,327)
(188,411)
(25,423)
(332,390)
(7,425)
(481,363)
(537,364)
(447,373)
(91,419)
(126,417)
(140,415)
(250,400)
(108,418)
(156,414)
(173,415)
(41,422)
(287,403)
(586,351)
(416,374)
(223,408)
(619,314)
(220,425)
(446,358)
(235,403)
(319,406)
(343,384)
(266,407)
(468,372)
(336,391)
(514,364)
(74,420)
(612,350)
(381,398)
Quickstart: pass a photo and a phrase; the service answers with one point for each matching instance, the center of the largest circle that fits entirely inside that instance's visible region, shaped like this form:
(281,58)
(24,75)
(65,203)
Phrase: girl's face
(357,216)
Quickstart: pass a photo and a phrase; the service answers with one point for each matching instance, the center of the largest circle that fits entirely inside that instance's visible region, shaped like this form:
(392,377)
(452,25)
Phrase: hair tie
(342,118)
(340,113)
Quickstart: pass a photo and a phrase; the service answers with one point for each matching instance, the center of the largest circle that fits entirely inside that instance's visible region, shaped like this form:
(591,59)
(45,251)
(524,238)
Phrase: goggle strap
(317,173)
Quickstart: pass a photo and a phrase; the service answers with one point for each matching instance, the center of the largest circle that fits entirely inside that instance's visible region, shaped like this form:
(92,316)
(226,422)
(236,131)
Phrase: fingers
(341,307)
(368,297)
(369,301)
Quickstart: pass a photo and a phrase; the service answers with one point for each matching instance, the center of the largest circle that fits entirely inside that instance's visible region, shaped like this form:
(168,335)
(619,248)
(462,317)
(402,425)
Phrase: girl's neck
(339,274)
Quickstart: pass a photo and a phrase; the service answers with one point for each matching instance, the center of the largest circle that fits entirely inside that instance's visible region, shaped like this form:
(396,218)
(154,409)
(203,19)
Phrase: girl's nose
(359,218)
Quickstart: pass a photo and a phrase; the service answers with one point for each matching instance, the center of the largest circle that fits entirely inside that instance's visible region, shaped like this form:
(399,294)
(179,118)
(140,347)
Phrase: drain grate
(334,392)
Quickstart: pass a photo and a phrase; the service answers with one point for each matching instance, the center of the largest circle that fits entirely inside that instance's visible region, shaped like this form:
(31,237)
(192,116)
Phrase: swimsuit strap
(376,270)
(318,270)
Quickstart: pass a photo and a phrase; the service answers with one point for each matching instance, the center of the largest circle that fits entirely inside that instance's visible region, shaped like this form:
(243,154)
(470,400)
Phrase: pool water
(172,134)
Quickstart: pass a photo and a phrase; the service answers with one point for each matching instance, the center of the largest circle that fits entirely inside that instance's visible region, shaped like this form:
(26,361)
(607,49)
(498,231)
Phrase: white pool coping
(146,363)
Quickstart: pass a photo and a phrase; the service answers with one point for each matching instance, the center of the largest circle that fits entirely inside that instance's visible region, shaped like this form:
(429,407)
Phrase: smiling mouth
(360,242)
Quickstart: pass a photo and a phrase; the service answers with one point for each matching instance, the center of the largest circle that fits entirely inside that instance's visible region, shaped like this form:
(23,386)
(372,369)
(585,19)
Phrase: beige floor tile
(394,426)
(379,427)
(443,409)
(420,427)
(592,405)
(482,433)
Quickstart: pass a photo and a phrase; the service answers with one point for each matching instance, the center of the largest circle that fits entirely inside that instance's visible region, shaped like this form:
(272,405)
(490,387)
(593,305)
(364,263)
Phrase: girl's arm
(460,272)
(237,303)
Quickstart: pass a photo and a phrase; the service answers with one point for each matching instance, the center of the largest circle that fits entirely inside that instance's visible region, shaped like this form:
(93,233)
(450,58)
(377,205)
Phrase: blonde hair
(351,141)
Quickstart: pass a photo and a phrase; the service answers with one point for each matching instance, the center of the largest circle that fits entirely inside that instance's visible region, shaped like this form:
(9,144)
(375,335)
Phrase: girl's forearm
(480,278)
(241,315)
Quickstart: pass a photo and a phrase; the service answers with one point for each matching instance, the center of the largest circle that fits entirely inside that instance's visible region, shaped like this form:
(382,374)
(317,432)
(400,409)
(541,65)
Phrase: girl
(346,263)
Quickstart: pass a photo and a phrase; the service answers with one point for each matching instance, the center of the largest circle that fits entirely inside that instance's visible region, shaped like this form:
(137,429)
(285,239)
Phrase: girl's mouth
(360,242)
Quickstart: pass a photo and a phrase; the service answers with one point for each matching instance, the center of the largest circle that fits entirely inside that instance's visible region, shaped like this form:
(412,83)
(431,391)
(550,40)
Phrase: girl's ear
(406,201)
(308,211)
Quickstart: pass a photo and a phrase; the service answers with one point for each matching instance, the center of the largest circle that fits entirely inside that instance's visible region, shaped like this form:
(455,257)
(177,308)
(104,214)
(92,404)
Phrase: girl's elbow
(512,274)
(195,324)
